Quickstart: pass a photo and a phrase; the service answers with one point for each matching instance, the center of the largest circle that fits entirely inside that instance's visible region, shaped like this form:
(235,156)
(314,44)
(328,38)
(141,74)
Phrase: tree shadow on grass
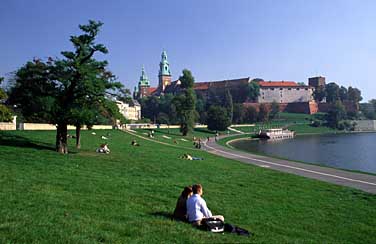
(7,139)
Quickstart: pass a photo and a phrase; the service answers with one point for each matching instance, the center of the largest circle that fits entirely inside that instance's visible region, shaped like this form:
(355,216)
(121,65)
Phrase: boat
(276,134)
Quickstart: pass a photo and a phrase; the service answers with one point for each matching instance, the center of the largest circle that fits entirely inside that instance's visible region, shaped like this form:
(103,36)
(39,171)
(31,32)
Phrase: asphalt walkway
(360,181)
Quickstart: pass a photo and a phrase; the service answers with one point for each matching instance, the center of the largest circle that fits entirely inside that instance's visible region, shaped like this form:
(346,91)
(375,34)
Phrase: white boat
(276,134)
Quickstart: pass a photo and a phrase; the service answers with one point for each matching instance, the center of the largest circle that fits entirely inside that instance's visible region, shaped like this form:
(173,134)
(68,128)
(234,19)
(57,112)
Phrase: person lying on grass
(134,143)
(103,148)
(197,210)
(180,212)
(189,157)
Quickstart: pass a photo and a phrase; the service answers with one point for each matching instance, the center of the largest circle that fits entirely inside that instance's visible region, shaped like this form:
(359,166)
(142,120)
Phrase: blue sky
(215,39)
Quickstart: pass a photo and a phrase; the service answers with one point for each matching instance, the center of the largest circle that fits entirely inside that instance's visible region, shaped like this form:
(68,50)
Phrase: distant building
(316,81)
(284,92)
(130,111)
(164,80)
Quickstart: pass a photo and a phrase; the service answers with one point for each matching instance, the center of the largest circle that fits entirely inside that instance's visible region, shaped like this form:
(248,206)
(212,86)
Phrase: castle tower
(164,73)
(143,84)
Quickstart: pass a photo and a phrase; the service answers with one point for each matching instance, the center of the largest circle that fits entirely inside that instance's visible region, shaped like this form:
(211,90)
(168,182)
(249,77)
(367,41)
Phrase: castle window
(272,89)
(281,89)
(297,89)
(306,89)
(289,89)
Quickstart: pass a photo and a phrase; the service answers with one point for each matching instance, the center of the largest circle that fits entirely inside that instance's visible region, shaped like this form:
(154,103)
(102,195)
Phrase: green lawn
(128,195)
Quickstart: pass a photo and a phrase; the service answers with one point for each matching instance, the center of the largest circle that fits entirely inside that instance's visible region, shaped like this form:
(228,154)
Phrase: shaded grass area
(127,196)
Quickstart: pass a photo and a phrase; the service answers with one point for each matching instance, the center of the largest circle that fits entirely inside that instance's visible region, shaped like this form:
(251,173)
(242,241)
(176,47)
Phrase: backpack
(214,225)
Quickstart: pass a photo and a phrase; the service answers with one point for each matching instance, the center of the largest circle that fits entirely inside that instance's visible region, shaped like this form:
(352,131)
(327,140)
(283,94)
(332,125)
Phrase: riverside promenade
(360,181)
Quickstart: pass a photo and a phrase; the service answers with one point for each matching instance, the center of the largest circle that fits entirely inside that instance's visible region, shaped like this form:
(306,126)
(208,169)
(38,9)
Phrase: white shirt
(197,209)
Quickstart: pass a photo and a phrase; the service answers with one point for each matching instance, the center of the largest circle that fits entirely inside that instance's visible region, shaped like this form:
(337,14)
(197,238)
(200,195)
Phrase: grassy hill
(127,196)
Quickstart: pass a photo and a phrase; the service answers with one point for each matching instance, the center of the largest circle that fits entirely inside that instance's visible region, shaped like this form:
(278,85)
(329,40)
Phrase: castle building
(284,92)
(164,73)
(318,81)
(164,77)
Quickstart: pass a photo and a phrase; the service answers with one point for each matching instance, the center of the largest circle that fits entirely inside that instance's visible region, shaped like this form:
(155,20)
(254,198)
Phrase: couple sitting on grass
(192,207)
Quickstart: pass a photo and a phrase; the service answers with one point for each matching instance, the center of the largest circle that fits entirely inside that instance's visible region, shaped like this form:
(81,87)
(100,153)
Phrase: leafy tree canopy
(56,89)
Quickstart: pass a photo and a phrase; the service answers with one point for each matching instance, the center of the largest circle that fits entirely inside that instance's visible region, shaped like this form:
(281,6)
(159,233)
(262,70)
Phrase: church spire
(164,66)
(144,81)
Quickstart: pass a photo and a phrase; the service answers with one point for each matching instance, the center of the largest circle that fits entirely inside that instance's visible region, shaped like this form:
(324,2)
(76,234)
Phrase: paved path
(360,181)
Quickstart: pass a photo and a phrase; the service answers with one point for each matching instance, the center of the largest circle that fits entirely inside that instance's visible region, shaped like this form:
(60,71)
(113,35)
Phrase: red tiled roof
(152,89)
(201,86)
(277,83)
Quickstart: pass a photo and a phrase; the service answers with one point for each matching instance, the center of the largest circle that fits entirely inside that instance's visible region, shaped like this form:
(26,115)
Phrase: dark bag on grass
(214,225)
(236,230)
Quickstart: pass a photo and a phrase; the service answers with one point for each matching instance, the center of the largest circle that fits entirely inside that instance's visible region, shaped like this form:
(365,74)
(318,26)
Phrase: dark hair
(187,190)
(196,188)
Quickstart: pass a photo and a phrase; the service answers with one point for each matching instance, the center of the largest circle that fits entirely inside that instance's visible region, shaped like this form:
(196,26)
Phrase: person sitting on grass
(134,143)
(180,212)
(197,210)
(103,148)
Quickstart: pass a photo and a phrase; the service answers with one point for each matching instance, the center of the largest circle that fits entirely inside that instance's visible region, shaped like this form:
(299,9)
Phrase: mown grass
(127,196)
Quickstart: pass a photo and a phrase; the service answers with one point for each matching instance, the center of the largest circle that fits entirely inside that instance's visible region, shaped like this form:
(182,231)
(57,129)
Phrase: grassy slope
(125,196)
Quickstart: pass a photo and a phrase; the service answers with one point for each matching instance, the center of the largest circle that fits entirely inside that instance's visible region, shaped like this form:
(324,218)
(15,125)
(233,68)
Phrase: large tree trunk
(61,138)
(78,136)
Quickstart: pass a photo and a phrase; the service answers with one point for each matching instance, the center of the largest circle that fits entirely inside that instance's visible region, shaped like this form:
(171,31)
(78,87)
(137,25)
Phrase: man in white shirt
(197,209)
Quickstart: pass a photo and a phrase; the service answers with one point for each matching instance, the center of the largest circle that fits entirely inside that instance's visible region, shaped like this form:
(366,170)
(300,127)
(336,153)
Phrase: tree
(254,90)
(263,114)
(186,79)
(55,90)
(227,103)
(5,113)
(274,111)
(336,114)
(301,84)
(319,94)
(238,113)
(354,95)
(250,115)
(185,103)
(332,92)
(343,93)
(218,118)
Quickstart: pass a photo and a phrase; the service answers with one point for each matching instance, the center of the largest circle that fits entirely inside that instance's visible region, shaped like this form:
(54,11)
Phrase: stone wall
(38,126)
(285,94)
(9,125)
(305,107)
(365,125)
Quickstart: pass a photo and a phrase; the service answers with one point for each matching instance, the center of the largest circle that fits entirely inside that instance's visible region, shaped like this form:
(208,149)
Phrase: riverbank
(229,141)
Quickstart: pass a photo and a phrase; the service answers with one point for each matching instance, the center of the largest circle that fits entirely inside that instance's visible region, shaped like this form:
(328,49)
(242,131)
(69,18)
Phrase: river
(355,151)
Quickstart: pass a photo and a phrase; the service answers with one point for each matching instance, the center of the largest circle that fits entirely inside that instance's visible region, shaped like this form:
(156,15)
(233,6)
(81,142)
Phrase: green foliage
(218,118)
(263,114)
(5,112)
(250,115)
(228,104)
(336,115)
(187,80)
(238,113)
(354,95)
(185,110)
(253,90)
(274,111)
(66,91)
(319,94)
(332,92)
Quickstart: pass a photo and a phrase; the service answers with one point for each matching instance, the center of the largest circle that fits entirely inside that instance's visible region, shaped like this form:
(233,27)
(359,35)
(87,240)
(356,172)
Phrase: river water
(355,151)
